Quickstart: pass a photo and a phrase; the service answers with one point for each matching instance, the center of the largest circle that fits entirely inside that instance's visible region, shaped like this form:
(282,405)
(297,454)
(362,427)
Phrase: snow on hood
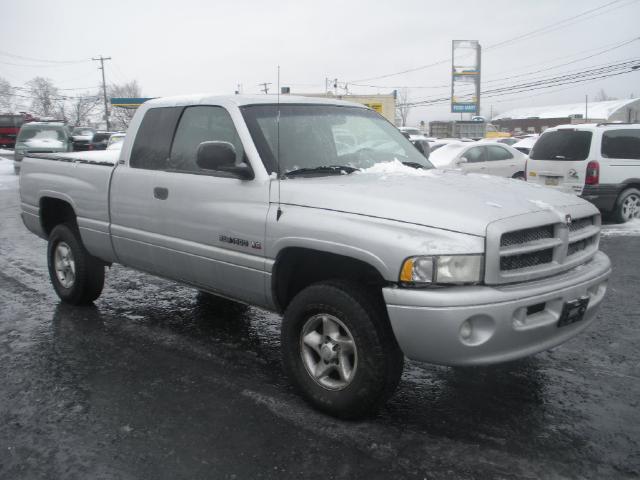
(447,199)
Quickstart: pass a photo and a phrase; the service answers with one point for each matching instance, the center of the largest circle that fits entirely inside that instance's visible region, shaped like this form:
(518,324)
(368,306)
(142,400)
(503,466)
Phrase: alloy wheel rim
(328,351)
(64,265)
(631,207)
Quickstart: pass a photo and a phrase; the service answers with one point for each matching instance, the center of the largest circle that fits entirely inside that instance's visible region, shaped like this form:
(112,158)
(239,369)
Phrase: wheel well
(54,211)
(297,268)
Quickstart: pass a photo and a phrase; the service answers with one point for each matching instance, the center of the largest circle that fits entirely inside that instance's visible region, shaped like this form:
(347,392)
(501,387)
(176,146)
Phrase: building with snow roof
(538,119)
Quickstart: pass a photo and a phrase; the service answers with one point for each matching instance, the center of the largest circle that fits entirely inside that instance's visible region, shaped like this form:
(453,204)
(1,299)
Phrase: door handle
(161,193)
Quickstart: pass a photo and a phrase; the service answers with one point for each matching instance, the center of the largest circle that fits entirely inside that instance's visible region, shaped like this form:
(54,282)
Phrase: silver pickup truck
(323,211)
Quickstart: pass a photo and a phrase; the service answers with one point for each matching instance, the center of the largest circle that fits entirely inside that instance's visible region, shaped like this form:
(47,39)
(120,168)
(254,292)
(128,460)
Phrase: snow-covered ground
(8,179)
(6,154)
(629,229)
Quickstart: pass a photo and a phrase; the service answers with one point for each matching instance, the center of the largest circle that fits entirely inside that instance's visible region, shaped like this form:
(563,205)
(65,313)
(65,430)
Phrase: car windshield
(442,155)
(40,133)
(562,144)
(320,139)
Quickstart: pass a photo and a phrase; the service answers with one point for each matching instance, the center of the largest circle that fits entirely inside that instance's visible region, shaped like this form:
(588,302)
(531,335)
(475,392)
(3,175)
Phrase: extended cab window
(562,144)
(197,125)
(621,143)
(153,140)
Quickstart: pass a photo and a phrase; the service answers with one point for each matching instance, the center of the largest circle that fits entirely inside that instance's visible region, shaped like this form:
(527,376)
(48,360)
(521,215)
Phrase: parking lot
(158,381)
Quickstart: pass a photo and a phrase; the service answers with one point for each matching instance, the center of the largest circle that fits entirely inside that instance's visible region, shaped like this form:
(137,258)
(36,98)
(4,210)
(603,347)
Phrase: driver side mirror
(462,160)
(221,157)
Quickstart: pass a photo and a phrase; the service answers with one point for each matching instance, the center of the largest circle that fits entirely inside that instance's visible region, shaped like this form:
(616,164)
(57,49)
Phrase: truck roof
(242,100)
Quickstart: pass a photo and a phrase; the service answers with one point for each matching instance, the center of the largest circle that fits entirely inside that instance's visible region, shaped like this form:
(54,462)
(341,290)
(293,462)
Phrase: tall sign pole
(101,59)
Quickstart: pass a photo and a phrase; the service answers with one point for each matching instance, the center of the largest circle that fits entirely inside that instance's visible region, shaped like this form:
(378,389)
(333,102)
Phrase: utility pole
(101,59)
(265,87)
(586,108)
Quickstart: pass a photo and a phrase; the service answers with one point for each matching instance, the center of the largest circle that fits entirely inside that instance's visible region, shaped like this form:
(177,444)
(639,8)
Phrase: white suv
(599,162)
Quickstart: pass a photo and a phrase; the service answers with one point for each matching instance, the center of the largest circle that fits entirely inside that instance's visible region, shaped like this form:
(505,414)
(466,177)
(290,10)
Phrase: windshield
(315,136)
(562,145)
(40,133)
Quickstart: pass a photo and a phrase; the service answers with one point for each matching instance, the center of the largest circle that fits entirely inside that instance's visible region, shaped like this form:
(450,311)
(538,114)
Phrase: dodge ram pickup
(368,252)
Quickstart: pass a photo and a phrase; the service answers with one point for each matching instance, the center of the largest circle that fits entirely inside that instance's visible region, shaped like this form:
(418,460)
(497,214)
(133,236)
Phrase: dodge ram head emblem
(568,219)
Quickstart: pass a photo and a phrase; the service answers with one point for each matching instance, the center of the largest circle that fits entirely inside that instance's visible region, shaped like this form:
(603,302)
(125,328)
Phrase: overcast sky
(186,46)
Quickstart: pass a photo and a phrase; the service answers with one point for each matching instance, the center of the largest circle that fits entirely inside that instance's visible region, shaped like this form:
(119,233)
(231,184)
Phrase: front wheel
(339,350)
(76,275)
(628,205)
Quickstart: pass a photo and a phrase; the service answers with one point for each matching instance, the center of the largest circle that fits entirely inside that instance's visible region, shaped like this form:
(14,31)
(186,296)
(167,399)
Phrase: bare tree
(121,117)
(46,100)
(602,96)
(7,103)
(402,106)
(78,109)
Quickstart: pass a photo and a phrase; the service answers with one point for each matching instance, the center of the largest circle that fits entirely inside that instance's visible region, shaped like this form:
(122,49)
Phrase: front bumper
(479,325)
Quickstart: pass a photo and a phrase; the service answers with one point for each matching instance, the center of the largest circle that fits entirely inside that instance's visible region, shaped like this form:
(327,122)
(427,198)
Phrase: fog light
(466,331)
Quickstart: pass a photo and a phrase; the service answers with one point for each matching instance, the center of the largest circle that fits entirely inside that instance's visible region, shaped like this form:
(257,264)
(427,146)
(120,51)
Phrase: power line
(20,57)
(538,31)
(582,76)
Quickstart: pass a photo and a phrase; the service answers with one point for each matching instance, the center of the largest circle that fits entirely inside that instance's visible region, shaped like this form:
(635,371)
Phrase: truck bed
(82,180)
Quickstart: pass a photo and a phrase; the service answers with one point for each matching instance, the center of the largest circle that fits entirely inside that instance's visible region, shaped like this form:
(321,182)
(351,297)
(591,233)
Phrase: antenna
(279,212)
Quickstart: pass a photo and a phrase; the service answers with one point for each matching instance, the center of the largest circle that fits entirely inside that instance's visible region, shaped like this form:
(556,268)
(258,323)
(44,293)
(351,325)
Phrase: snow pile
(394,167)
(629,229)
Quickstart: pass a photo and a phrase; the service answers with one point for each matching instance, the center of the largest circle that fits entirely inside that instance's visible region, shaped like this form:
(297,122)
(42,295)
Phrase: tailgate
(564,175)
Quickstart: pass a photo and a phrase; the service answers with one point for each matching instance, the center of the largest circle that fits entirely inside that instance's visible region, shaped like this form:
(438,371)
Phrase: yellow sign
(375,106)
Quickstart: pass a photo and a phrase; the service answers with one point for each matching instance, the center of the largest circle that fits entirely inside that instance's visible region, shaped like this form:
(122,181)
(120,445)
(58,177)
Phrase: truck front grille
(525,260)
(546,248)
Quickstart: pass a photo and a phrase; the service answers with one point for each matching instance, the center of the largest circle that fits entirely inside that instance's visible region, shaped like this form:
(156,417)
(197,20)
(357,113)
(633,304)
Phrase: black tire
(89,270)
(620,212)
(519,176)
(379,358)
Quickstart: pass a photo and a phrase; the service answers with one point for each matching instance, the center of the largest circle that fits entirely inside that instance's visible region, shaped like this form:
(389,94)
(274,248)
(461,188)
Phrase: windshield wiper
(332,169)
(413,164)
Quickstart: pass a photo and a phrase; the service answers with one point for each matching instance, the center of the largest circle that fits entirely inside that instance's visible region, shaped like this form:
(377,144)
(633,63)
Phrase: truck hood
(447,199)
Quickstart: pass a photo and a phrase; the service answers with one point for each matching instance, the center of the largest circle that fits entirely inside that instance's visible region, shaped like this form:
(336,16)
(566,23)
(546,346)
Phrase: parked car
(490,158)
(41,137)
(525,145)
(370,254)
(9,127)
(81,137)
(100,140)
(115,141)
(599,162)
(506,140)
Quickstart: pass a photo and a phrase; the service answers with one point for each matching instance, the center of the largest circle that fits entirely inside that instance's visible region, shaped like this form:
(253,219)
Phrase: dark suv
(100,140)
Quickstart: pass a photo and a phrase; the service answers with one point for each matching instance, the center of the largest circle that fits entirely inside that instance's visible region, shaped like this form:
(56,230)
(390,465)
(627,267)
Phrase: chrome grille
(526,260)
(540,244)
(527,235)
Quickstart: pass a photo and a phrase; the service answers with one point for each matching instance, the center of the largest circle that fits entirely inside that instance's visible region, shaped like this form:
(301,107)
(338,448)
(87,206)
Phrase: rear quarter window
(153,139)
(621,143)
(562,145)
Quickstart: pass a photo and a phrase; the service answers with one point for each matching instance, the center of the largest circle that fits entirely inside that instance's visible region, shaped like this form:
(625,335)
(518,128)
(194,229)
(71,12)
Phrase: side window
(153,140)
(200,124)
(475,154)
(621,143)
(498,153)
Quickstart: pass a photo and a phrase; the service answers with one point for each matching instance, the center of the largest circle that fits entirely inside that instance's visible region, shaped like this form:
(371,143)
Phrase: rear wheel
(339,350)
(628,205)
(518,176)
(76,275)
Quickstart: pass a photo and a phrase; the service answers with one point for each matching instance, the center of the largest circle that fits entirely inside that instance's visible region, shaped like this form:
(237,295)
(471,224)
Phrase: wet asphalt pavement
(159,382)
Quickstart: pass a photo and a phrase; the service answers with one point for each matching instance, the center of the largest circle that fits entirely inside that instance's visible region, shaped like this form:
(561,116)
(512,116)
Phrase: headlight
(443,269)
